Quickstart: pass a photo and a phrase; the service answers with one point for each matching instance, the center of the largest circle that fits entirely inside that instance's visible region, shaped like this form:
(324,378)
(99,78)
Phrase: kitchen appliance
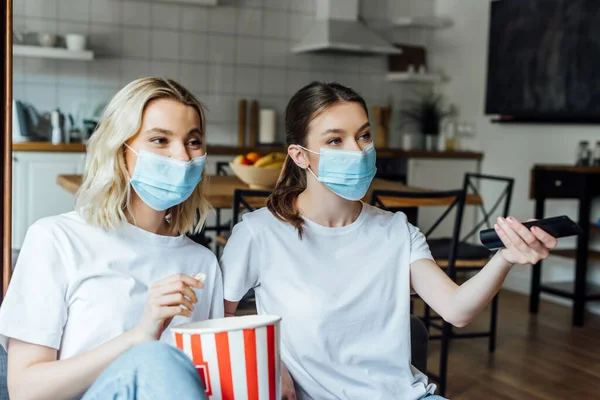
(28,125)
(337,29)
(58,127)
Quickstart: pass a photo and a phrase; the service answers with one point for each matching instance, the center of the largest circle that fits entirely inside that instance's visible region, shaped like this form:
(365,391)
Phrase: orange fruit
(253,157)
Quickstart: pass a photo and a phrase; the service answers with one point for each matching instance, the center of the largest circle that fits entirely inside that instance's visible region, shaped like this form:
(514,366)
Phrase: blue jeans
(149,371)
(434,397)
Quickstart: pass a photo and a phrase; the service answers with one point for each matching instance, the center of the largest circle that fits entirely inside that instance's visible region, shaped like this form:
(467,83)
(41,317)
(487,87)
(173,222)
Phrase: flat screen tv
(544,61)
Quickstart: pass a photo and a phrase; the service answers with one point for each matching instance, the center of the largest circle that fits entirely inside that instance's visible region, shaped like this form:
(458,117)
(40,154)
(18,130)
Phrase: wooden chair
(222,168)
(218,227)
(453,199)
(247,200)
(473,257)
(244,200)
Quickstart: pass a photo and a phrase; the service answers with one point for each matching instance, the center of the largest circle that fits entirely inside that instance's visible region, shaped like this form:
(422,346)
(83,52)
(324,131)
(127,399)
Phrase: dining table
(220,190)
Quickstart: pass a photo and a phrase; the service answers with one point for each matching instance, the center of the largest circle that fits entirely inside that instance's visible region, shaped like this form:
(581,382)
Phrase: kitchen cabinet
(35,191)
(442,174)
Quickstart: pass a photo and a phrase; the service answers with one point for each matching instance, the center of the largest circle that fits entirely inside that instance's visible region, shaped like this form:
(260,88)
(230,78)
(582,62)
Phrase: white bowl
(75,42)
(47,39)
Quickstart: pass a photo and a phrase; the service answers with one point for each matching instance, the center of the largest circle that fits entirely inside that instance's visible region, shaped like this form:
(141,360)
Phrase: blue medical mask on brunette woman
(163,182)
(347,173)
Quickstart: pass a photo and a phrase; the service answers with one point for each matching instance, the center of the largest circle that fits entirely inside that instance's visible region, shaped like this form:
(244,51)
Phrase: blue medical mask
(163,182)
(347,173)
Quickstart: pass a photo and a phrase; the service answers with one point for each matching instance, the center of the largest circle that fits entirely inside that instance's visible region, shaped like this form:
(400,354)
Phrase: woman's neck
(146,218)
(326,208)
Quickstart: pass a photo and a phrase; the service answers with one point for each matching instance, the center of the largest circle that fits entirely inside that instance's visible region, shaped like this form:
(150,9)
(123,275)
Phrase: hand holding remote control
(557,227)
(521,244)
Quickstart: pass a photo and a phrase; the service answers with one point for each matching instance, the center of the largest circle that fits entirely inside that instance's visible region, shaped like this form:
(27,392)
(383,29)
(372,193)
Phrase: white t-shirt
(76,286)
(344,298)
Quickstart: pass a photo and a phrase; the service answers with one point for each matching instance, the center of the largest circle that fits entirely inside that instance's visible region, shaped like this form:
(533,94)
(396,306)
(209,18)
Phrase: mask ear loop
(130,148)
(129,188)
(309,168)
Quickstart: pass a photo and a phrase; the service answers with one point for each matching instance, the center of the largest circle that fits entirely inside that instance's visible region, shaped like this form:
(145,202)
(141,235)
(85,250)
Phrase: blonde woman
(88,311)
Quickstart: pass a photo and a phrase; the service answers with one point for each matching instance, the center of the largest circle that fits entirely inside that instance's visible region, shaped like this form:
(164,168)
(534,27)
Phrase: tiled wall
(237,50)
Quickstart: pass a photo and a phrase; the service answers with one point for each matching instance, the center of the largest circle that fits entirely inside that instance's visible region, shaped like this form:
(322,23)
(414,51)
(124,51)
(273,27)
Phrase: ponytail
(281,202)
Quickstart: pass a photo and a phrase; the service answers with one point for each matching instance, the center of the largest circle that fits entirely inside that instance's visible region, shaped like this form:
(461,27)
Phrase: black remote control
(558,227)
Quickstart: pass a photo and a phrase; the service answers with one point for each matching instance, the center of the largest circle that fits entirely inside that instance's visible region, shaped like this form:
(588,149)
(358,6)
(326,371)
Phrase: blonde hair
(105,194)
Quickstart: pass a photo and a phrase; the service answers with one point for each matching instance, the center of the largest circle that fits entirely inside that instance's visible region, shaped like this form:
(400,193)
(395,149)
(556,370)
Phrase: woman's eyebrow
(194,130)
(158,130)
(341,131)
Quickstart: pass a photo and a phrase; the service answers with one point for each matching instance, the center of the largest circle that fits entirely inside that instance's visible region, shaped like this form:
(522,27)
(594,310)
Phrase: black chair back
(247,200)
(223,168)
(470,185)
(455,199)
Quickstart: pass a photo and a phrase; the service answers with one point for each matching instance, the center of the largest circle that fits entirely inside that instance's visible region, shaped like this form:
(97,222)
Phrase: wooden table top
(567,168)
(220,191)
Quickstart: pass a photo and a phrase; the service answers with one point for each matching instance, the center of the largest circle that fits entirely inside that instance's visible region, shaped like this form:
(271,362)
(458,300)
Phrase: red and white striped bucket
(236,357)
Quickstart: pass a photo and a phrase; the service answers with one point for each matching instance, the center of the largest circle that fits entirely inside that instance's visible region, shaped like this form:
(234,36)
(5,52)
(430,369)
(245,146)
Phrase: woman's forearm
(64,379)
(473,296)
(230,308)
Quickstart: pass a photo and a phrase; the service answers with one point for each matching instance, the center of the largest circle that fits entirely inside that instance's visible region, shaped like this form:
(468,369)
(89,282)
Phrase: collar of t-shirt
(341,230)
(133,233)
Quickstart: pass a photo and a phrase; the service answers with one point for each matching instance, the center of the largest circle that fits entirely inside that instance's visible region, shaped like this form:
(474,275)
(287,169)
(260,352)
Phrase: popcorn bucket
(236,357)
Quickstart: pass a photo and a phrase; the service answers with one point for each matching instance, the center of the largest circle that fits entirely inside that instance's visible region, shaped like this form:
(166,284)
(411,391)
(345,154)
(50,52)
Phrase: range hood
(338,29)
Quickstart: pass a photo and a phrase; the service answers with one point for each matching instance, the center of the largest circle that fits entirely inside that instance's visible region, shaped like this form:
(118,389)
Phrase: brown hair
(304,106)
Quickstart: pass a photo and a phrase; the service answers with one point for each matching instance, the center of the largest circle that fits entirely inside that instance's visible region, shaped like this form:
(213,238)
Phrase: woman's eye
(195,143)
(159,140)
(333,142)
(366,136)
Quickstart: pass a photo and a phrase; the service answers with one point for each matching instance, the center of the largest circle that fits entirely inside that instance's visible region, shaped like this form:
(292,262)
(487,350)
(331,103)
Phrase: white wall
(511,150)
(240,49)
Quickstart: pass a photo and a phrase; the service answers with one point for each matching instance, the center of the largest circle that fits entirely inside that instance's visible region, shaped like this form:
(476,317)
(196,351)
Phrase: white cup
(75,42)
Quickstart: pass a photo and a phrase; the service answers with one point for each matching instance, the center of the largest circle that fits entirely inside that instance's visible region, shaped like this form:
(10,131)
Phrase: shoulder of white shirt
(261,219)
(72,220)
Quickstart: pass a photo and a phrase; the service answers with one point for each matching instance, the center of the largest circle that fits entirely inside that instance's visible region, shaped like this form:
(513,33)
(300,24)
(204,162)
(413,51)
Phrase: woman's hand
(288,392)
(167,298)
(523,245)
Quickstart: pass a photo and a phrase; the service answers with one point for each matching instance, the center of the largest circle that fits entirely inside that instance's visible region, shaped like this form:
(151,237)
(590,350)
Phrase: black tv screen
(544,60)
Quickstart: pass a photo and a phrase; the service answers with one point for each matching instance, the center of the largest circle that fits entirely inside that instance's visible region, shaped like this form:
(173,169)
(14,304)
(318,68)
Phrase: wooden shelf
(413,77)
(593,255)
(52,52)
(429,22)
(234,151)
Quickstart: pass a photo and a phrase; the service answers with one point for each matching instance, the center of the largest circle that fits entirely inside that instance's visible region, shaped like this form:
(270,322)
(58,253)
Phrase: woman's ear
(298,156)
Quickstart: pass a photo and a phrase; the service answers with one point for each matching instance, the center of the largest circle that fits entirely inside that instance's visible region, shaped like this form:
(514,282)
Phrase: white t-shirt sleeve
(240,263)
(34,309)
(419,248)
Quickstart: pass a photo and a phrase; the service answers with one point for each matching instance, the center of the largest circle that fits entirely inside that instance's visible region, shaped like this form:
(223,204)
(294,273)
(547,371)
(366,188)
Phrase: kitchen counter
(47,146)
(234,150)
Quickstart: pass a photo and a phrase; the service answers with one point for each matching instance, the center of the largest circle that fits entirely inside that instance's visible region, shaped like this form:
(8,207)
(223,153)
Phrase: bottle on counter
(57,121)
(597,154)
(583,154)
